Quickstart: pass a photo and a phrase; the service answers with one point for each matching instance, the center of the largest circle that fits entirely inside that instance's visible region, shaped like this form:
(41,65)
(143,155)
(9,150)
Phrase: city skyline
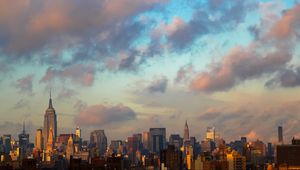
(126,68)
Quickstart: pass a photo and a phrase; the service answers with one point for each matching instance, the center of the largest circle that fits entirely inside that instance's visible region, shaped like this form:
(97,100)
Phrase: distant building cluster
(150,150)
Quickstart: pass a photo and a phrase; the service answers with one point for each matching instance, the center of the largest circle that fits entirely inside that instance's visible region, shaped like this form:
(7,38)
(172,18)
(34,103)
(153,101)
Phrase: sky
(127,65)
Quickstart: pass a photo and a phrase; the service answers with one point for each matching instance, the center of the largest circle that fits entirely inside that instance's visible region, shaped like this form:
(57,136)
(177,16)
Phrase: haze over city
(128,65)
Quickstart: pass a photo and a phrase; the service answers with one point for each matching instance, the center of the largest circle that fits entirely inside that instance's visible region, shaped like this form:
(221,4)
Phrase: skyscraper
(99,140)
(6,139)
(280,135)
(23,142)
(157,139)
(186,135)
(50,122)
(146,140)
(70,148)
(78,132)
(211,133)
(39,139)
(132,148)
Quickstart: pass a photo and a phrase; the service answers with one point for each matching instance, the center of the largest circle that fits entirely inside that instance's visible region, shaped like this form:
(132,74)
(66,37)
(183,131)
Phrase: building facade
(98,139)
(50,122)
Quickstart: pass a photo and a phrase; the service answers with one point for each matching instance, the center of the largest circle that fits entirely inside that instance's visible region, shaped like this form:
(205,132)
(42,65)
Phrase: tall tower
(99,140)
(23,142)
(39,140)
(186,134)
(280,135)
(78,132)
(50,123)
(70,148)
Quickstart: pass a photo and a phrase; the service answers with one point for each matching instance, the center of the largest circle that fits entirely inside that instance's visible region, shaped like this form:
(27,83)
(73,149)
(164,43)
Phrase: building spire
(50,101)
(186,135)
(23,127)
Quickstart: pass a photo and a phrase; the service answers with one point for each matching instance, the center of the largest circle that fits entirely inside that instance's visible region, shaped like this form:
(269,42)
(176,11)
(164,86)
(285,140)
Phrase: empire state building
(50,123)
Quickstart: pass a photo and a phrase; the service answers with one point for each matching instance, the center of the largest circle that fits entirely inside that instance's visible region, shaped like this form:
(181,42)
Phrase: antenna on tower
(23,126)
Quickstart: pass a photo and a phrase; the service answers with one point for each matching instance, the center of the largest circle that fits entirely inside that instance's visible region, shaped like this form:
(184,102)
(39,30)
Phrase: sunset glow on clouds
(128,65)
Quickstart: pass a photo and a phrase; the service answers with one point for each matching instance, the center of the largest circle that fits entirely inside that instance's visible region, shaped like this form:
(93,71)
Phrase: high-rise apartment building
(236,161)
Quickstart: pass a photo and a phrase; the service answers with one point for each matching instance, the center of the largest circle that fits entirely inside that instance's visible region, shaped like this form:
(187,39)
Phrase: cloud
(3,67)
(38,26)
(25,84)
(239,65)
(285,78)
(21,104)
(264,56)
(99,115)
(289,25)
(81,74)
(66,93)
(127,63)
(252,136)
(185,73)
(158,86)
(80,105)
(216,17)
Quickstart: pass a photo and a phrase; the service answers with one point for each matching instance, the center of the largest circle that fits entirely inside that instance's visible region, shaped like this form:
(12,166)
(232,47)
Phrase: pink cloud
(25,84)
(80,74)
(252,136)
(261,57)
(98,115)
(169,29)
(288,24)
(31,26)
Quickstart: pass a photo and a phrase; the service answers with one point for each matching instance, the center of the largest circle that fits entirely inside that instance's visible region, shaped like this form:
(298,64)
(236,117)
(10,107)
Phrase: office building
(171,158)
(280,135)
(157,139)
(39,140)
(50,122)
(288,155)
(78,132)
(98,139)
(176,140)
(146,140)
(70,148)
(186,133)
(211,133)
(6,139)
(23,142)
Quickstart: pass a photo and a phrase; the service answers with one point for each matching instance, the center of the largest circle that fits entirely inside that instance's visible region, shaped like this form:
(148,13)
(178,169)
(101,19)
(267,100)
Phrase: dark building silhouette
(289,155)
(280,135)
(23,142)
(171,158)
(157,139)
